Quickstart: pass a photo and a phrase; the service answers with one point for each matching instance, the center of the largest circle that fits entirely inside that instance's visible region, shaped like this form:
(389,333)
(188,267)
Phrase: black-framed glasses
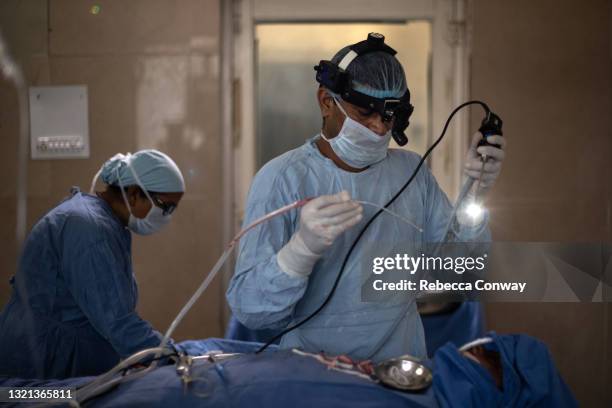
(167,208)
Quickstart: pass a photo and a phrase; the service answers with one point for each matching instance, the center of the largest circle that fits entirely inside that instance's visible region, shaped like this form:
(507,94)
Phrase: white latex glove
(322,220)
(492,168)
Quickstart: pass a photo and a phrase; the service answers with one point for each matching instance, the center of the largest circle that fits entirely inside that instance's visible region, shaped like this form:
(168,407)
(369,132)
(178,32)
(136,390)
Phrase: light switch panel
(59,124)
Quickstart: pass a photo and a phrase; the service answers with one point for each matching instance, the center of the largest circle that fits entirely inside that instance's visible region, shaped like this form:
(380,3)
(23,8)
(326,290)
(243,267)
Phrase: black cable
(363,230)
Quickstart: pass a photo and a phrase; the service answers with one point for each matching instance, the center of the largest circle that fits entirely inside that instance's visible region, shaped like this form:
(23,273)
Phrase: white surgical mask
(356,145)
(153,222)
(155,219)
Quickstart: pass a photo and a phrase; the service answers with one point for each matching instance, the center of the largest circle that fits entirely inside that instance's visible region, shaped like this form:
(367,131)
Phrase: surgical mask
(152,223)
(356,145)
(155,219)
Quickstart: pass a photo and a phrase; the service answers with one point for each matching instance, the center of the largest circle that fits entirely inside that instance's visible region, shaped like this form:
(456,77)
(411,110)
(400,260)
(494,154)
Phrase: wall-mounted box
(59,124)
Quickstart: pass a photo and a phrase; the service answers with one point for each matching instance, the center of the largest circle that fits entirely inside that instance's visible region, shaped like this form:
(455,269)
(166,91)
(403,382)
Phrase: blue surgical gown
(262,296)
(72,309)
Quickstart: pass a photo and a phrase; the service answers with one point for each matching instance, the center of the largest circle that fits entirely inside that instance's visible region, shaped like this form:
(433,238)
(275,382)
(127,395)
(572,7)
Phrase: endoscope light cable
(363,230)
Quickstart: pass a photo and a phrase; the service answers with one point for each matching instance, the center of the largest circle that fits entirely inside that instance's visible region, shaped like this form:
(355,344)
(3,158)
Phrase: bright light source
(474,210)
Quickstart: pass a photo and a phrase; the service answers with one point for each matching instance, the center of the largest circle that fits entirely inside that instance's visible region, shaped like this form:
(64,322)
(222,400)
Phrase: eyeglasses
(167,208)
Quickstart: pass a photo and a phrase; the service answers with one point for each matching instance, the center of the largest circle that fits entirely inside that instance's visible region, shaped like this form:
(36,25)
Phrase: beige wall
(152,69)
(545,67)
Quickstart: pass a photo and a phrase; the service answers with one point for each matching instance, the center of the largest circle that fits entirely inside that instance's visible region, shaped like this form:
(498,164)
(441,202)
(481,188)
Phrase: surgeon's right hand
(322,220)
(326,217)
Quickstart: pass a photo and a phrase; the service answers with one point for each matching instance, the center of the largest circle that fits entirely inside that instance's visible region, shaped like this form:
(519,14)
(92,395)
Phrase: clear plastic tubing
(102,383)
(232,245)
(221,261)
(93,387)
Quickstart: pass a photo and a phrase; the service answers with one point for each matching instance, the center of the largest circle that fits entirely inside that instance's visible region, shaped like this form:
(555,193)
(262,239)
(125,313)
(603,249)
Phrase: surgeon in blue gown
(73,307)
(287,267)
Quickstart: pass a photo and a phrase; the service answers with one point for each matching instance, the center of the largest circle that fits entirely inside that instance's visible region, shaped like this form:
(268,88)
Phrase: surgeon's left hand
(473,160)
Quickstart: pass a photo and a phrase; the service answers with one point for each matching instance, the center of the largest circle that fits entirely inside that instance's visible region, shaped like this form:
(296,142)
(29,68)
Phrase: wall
(152,70)
(545,67)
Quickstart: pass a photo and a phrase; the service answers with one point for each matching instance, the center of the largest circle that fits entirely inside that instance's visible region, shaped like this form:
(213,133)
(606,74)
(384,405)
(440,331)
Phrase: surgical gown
(72,310)
(262,296)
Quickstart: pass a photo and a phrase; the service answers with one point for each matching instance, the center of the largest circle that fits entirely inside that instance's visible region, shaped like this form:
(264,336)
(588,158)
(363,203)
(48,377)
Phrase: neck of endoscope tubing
(363,230)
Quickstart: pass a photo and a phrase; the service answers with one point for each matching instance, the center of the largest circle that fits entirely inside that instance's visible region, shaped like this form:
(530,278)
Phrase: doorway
(286,106)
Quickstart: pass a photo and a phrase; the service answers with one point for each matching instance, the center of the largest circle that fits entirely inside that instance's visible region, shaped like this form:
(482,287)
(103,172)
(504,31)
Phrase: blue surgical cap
(155,170)
(377,74)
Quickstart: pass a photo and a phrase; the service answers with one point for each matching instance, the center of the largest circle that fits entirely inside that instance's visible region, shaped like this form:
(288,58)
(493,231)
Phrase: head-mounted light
(335,78)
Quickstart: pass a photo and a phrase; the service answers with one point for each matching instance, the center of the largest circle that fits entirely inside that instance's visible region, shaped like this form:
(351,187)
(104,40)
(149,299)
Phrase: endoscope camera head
(337,79)
(491,125)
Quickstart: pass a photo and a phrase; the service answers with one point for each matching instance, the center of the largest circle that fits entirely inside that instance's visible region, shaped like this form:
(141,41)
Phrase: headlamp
(336,78)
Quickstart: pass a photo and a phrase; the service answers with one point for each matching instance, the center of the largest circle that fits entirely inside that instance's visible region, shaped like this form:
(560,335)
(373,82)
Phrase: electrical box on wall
(59,124)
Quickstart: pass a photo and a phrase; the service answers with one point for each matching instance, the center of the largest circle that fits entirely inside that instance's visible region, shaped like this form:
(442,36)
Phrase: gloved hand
(322,220)
(473,161)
